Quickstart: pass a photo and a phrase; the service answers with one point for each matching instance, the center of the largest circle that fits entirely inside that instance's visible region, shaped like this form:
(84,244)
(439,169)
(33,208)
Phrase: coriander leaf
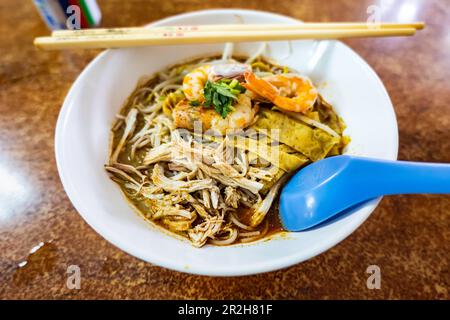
(207,92)
(223,99)
(225,92)
(226,109)
(221,95)
(216,100)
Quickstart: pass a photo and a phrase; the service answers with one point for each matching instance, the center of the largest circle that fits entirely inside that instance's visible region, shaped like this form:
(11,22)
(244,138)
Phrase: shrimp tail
(259,86)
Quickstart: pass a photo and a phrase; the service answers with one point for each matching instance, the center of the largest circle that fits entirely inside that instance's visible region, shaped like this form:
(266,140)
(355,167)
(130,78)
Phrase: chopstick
(128,37)
(238,27)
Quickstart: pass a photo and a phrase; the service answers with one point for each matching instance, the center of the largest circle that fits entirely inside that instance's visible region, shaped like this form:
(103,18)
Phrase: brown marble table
(408,237)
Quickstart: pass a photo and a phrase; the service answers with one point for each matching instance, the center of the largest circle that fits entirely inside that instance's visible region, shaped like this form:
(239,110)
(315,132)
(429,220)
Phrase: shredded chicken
(170,185)
(200,233)
(232,197)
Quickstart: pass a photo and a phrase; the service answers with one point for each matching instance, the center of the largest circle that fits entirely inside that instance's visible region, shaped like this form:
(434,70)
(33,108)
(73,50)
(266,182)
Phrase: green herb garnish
(194,103)
(221,95)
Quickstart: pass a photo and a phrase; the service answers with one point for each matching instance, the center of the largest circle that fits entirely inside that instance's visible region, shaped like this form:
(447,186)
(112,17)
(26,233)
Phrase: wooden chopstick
(115,38)
(238,27)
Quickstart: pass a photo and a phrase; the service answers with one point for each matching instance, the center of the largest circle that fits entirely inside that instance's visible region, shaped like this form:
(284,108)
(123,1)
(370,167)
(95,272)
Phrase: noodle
(208,188)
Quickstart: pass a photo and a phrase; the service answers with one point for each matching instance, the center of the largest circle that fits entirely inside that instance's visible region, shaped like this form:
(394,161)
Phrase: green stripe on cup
(87,12)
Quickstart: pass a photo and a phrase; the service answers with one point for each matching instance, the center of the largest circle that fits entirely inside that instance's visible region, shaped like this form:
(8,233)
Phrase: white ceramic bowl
(84,123)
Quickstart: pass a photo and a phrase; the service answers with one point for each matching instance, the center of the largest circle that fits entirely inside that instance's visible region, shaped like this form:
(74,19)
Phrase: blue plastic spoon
(327,187)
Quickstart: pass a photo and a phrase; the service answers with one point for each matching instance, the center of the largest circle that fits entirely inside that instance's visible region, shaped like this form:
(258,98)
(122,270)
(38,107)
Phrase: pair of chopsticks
(139,36)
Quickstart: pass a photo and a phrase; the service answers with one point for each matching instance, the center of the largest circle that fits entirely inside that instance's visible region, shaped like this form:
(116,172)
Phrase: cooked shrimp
(288,93)
(194,81)
(242,116)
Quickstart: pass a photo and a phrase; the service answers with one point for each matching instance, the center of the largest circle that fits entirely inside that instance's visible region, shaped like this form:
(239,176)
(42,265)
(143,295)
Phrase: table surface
(408,237)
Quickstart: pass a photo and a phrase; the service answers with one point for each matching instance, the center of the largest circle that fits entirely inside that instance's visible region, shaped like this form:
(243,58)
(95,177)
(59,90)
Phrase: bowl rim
(248,269)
